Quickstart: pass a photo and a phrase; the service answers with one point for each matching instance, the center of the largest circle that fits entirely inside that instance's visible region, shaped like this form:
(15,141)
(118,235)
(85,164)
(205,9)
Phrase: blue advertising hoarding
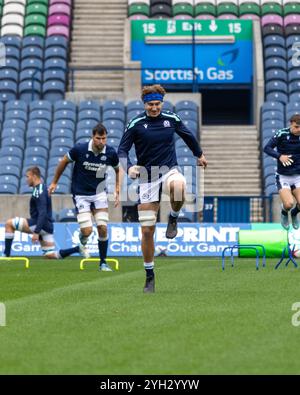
(219,51)
(193,239)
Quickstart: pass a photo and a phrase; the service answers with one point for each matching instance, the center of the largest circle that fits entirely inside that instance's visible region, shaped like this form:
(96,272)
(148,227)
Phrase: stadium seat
(37,141)
(62,142)
(187,114)
(89,105)
(65,105)
(133,113)
(58,151)
(56,52)
(87,124)
(25,189)
(13,141)
(161,10)
(186,105)
(16,114)
(58,30)
(16,105)
(135,105)
(64,179)
(276,74)
(40,105)
(113,124)
(56,41)
(38,132)
(89,115)
(114,133)
(276,86)
(13,132)
(114,114)
(32,52)
(12,52)
(10,170)
(291,40)
(8,90)
(56,64)
(35,161)
(31,75)
(12,160)
(168,106)
(11,151)
(62,132)
(41,114)
(65,114)
(9,179)
(277,96)
(64,124)
(80,133)
(39,123)
(8,189)
(9,74)
(14,41)
(113,105)
(67,215)
(14,123)
(29,90)
(55,75)
(36,151)
(272,105)
(62,188)
(272,115)
(62,9)
(33,41)
(53,91)
(82,140)
(52,169)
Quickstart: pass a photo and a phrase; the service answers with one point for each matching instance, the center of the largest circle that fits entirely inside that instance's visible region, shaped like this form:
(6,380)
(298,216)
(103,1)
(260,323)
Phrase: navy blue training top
(89,171)
(287,144)
(40,208)
(154,140)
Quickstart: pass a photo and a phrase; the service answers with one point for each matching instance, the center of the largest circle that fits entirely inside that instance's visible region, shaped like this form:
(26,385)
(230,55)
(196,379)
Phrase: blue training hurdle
(245,246)
(290,257)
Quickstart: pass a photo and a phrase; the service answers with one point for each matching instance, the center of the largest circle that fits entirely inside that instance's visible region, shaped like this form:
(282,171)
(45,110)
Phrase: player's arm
(58,172)
(191,141)
(269,149)
(116,166)
(41,205)
(123,151)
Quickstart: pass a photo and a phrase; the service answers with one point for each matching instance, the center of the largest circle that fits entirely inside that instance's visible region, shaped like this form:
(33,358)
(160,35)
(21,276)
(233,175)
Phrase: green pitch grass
(61,320)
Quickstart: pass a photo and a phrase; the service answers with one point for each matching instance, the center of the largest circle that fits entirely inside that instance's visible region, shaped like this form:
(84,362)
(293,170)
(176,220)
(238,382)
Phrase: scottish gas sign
(178,51)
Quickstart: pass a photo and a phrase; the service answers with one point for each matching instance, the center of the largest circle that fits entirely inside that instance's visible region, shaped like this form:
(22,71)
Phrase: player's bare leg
(296,209)
(11,226)
(101,219)
(177,197)
(287,200)
(147,217)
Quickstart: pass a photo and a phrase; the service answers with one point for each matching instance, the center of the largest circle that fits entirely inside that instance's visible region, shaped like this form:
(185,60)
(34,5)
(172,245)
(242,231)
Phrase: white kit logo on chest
(167,124)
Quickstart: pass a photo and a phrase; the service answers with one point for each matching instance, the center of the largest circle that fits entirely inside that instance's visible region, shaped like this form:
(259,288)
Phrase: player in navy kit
(40,223)
(88,187)
(287,142)
(152,133)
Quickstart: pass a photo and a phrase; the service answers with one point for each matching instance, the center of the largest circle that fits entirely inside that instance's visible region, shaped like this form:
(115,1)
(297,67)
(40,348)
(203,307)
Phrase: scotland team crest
(167,124)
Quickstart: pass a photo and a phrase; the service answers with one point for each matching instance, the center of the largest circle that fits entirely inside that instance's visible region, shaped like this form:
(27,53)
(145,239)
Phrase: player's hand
(52,188)
(117,199)
(202,161)
(134,172)
(35,237)
(286,160)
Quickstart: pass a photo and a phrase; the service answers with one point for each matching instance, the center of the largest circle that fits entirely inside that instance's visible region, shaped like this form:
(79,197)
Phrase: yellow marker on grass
(115,261)
(16,258)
